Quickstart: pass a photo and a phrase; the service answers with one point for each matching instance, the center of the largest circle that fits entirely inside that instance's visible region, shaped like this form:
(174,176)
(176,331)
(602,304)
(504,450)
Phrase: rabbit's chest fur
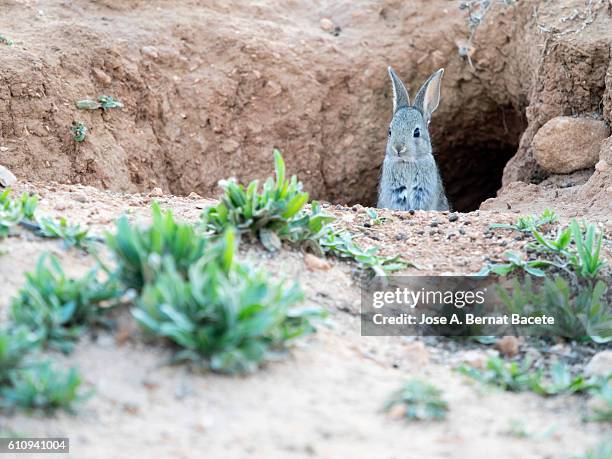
(411,185)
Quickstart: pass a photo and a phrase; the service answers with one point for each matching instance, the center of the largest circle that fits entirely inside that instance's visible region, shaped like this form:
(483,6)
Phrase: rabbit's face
(408,133)
(408,136)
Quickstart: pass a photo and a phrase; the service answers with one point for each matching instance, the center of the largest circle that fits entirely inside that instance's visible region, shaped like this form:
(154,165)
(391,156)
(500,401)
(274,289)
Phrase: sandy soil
(322,400)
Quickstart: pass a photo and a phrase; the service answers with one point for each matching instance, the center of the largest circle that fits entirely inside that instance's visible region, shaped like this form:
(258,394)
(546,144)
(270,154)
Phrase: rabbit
(410,179)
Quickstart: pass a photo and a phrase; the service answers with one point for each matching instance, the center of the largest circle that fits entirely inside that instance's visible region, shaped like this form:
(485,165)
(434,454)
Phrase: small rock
(326,24)
(150,51)
(7,178)
(194,195)
(103,78)
(602,166)
(156,192)
(508,346)
(230,146)
(474,358)
(80,197)
(397,411)
(315,263)
(600,364)
(566,144)
(452,217)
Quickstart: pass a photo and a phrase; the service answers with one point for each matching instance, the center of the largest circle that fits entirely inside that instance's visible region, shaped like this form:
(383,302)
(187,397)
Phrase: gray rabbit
(410,177)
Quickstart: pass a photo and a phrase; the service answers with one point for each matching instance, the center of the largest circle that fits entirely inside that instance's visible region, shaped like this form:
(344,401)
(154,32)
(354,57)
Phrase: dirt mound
(211,87)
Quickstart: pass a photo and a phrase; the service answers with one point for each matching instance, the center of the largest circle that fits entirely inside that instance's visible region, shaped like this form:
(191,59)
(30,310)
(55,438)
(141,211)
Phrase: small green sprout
(6,41)
(59,308)
(420,401)
(79,132)
(72,235)
(103,102)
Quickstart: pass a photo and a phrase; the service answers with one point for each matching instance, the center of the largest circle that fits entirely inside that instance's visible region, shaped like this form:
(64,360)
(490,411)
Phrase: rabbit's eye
(417,132)
(389,132)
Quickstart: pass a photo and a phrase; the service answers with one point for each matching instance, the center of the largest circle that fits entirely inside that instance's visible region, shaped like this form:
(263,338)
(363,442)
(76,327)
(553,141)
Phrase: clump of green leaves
(57,307)
(341,244)
(272,213)
(575,249)
(138,251)
(5,40)
(79,132)
(520,377)
(15,344)
(13,211)
(28,383)
(40,386)
(103,102)
(529,222)
(71,234)
(276,214)
(581,315)
(601,451)
(575,297)
(375,219)
(223,314)
(420,400)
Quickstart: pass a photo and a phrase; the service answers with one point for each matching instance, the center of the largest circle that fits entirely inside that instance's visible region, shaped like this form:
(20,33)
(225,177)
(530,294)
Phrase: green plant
(58,307)
(224,315)
(40,386)
(527,223)
(517,263)
(375,219)
(103,102)
(15,344)
(6,41)
(581,315)
(577,247)
(72,235)
(520,377)
(79,132)
(138,251)
(272,214)
(13,211)
(420,401)
(601,451)
(586,261)
(340,243)
(277,214)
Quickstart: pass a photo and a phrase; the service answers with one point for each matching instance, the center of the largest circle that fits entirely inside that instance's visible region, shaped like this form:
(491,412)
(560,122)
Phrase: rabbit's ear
(428,97)
(400,95)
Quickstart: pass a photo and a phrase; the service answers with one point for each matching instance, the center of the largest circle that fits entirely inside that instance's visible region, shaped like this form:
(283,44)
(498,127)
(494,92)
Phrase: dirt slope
(211,87)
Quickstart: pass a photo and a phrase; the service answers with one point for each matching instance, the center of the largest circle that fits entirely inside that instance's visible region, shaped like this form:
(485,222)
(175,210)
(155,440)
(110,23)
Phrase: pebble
(508,346)
(156,192)
(326,24)
(315,263)
(600,364)
(453,217)
(80,197)
(7,178)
